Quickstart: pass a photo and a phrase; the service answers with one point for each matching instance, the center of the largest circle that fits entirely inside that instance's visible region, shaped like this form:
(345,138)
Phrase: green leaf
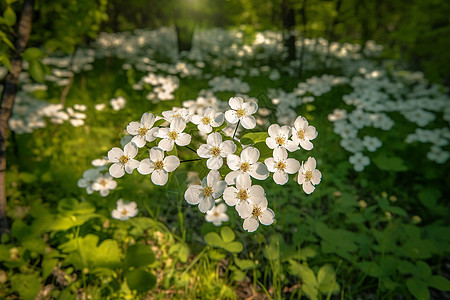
(418,289)
(370,268)
(47,266)
(213,239)
(9,16)
(227,234)
(4,59)
(37,71)
(6,40)
(32,53)
(27,285)
(234,247)
(139,255)
(439,282)
(304,272)
(254,137)
(390,163)
(182,251)
(140,280)
(244,264)
(429,196)
(326,278)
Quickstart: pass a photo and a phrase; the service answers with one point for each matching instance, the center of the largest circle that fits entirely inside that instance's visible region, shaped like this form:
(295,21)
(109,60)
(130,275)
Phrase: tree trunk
(7,100)
(288,24)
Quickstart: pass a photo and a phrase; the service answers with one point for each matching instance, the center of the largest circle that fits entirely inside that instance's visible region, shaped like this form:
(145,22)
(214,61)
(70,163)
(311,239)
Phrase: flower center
(240,112)
(245,167)
(159,165)
(215,151)
(281,165)
(124,211)
(173,135)
(103,182)
(256,212)
(308,175)
(142,131)
(216,214)
(124,159)
(207,191)
(242,195)
(280,141)
(206,120)
(301,134)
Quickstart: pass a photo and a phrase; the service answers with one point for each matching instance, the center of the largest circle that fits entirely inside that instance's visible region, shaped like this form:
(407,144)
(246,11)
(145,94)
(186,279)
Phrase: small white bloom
(281,165)
(217,214)
(241,111)
(158,165)
(215,150)
(279,137)
(371,143)
(89,177)
(243,195)
(143,131)
(302,133)
(247,163)
(123,161)
(438,155)
(174,134)
(260,213)
(104,184)
(124,211)
(309,176)
(359,161)
(205,194)
(100,106)
(207,120)
(176,113)
(118,103)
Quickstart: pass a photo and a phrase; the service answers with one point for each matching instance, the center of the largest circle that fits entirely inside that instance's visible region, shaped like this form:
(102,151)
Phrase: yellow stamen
(142,131)
(280,141)
(245,167)
(103,182)
(173,135)
(124,211)
(301,134)
(124,159)
(256,212)
(308,175)
(216,214)
(206,120)
(281,165)
(215,151)
(207,191)
(240,112)
(159,165)
(242,195)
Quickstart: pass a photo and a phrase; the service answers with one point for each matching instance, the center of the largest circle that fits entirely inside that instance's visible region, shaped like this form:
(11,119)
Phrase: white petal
(291,146)
(192,194)
(230,196)
(292,166)
(148,119)
(212,178)
(206,204)
(250,224)
(234,161)
(146,166)
(221,208)
(196,119)
(243,181)
(271,143)
(231,116)
(138,140)
(307,145)
(229,179)
(171,163)
(248,122)
(227,147)
(178,125)
(151,134)
(317,176)
(166,144)
(274,130)
(204,151)
(267,217)
(133,128)
(130,150)
(280,177)
(285,131)
(114,154)
(183,139)
(214,139)
(311,132)
(117,170)
(218,188)
(250,107)
(308,187)
(256,191)
(156,154)
(300,123)
(244,208)
(259,171)
(214,162)
(236,102)
(270,163)
(250,155)
(131,165)
(218,119)
(205,128)
(280,154)
(310,164)
(160,177)
(163,132)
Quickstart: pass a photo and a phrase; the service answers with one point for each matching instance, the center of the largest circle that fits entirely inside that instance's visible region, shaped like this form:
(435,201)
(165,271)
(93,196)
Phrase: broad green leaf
(310,291)
(27,285)
(439,282)
(326,278)
(139,255)
(390,163)
(254,137)
(244,264)
(418,289)
(429,196)
(424,270)
(397,210)
(4,59)
(234,247)
(182,251)
(140,280)
(9,16)
(370,268)
(227,234)
(216,254)
(213,239)
(304,272)
(32,53)
(37,71)
(47,266)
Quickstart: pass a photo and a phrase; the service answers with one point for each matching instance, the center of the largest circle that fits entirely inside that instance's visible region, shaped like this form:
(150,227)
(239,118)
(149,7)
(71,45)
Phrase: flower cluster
(231,166)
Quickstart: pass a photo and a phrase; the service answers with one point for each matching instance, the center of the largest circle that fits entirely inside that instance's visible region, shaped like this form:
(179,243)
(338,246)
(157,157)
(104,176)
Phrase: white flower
(308,176)
(89,177)
(260,213)
(158,165)
(123,161)
(279,137)
(215,150)
(205,194)
(176,113)
(302,133)
(172,135)
(143,131)
(104,184)
(359,161)
(217,214)
(100,106)
(247,163)
(281,166)
(438,155)
(207,120)
(118,103)
(124,211)
(243,195)
(371,143)
(241,111)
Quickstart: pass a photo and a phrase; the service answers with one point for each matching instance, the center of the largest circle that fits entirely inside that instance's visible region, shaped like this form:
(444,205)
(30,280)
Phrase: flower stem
(191,149)
(188,160)
(237,126)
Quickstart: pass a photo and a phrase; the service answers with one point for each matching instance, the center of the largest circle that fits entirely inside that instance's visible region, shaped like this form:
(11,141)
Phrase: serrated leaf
(140,280)
(418,289)
(9,16)
(139,255)
(227,234)
(213,239)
